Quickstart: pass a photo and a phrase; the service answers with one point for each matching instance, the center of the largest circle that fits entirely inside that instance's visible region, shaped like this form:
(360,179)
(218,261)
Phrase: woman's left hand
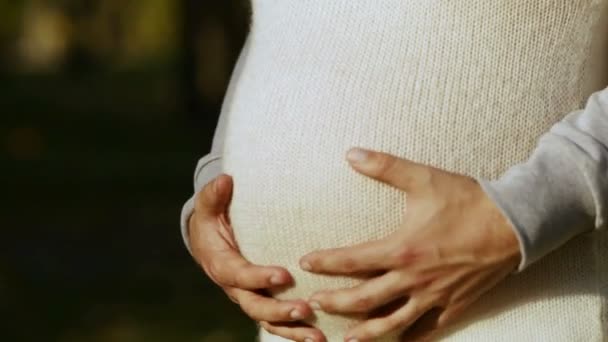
(452,246)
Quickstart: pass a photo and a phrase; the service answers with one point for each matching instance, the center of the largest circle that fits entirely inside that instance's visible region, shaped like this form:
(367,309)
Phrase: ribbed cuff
(544,199)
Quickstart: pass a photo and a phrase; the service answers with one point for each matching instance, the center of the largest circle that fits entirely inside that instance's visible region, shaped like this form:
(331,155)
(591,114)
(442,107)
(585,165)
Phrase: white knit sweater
(469,86)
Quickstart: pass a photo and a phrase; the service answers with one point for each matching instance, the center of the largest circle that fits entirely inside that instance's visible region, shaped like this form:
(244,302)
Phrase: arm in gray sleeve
(562,190)
(210,166)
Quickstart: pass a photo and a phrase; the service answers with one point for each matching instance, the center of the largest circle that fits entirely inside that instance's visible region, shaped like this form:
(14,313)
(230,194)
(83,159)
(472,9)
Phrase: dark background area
(106,105)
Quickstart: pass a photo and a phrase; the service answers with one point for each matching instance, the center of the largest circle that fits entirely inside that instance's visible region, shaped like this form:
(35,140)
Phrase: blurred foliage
(11,13)
(106,106)
(54,33)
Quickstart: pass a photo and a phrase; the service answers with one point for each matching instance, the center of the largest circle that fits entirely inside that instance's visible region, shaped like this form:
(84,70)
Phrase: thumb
(214,198)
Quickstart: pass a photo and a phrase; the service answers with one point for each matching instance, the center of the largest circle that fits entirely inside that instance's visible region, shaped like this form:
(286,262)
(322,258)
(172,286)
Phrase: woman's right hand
(214,248)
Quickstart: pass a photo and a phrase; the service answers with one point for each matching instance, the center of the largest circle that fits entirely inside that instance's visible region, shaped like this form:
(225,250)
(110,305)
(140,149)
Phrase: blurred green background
(106,107)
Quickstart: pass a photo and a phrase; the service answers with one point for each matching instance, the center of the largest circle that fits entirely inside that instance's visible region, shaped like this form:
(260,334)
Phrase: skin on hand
(215,250)
(452,246)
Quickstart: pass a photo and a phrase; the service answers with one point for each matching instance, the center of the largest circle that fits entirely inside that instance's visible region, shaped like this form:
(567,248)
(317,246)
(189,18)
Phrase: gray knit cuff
(544,199)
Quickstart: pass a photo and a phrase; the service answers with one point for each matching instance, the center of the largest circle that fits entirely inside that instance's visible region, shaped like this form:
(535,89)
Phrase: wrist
(504,235)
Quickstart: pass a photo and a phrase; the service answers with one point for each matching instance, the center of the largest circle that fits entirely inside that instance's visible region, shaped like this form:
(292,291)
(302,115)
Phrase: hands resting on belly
(453,247)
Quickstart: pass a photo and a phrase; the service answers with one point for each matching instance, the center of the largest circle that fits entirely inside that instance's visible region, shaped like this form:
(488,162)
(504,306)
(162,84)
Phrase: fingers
(400,319)
(365,297)
(364,257)
(398,172)
(230,269)
(214,198)
(263,308)
(297,333)
(225,265)
(215,250)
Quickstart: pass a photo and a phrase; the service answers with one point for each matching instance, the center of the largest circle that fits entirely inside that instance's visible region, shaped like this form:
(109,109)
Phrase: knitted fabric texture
(464,85)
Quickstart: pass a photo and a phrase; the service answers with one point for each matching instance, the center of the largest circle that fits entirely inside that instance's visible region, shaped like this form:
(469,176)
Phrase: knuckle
(403,255)
(349,264)
(256,302)
(362,303)
(415,307)
(248,306)
(391,323)
(243,277)
(273,310)
(429,179)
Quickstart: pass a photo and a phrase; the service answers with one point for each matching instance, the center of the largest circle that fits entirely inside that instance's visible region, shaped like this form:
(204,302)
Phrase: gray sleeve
(210,165)
(551,197)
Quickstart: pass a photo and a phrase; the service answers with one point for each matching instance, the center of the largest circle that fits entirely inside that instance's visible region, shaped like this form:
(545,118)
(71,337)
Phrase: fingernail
(276,280)
(314,305)
(295,314)
(357,155)
(352,339)
(305,265)
(308,339)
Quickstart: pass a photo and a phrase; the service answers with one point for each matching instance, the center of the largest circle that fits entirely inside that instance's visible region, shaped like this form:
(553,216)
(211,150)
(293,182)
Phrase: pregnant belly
(299,195)
(297,108)
(295,193)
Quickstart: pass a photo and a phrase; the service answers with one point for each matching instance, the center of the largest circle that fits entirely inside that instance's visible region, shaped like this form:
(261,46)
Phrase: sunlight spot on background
(44,41)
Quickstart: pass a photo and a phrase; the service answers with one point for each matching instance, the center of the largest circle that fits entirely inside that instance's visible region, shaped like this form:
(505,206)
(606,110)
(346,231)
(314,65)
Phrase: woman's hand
(214,248)
(452,246)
